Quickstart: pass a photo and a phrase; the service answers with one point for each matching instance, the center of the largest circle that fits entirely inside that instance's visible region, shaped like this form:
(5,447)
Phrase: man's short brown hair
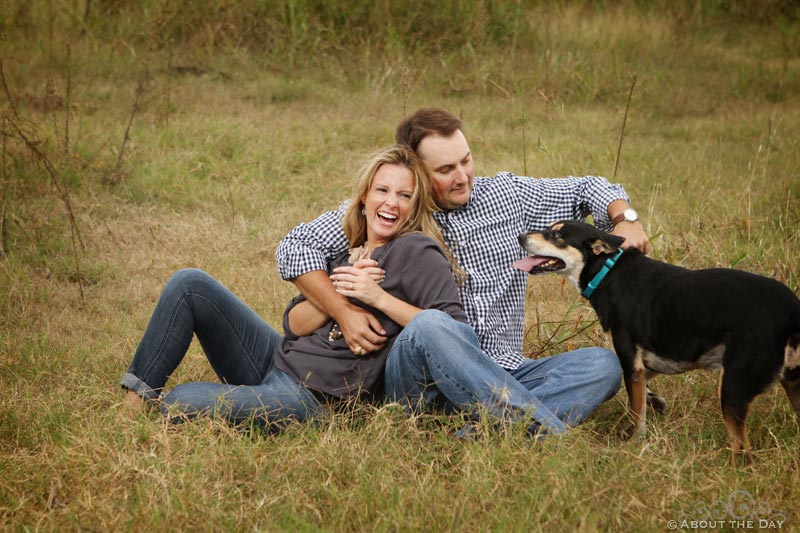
(425,122)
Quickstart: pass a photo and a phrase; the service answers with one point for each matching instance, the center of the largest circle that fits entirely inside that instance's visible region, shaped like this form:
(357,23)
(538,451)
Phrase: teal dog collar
(600,276)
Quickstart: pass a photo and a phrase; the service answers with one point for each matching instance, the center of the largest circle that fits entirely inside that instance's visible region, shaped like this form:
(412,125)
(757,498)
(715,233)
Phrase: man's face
(449,162)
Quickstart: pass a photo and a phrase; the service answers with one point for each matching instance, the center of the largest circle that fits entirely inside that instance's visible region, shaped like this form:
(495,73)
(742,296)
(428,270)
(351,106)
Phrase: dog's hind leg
(793,392)
(791,384)
(735,424)
(735,404)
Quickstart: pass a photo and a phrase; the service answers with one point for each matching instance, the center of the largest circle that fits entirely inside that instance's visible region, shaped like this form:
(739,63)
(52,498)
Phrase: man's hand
(634,235)
(361,329)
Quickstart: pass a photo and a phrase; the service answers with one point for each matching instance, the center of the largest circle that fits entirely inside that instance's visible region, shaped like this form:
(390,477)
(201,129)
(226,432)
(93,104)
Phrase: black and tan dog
(665,319)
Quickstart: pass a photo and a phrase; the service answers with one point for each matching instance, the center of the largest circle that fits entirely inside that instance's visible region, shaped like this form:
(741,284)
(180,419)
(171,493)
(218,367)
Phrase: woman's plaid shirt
(483,237)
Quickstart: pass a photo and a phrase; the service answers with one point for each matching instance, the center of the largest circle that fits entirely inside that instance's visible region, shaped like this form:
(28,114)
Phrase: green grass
(266,129)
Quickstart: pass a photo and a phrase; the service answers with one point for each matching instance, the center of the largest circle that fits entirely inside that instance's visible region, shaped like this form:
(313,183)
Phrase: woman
(268,378)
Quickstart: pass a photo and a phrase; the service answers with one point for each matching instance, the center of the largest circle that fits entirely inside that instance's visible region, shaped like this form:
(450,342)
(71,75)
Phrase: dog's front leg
(637,394)
(633,370)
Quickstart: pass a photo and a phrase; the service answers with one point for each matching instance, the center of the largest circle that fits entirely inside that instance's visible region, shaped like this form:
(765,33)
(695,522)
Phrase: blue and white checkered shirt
(483,237)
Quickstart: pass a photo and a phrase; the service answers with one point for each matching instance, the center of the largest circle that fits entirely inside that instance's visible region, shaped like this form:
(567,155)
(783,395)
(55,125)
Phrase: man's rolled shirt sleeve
(311,246)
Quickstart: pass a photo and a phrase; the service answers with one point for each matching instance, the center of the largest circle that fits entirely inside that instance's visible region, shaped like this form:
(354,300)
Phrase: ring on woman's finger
(358,350)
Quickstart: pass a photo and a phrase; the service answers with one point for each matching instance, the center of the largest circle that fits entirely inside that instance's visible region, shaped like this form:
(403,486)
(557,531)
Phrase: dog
(664,319)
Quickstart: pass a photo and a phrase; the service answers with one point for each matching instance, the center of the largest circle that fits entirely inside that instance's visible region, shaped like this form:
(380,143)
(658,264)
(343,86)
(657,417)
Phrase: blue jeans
(278,399)
(238,344)
(438,361)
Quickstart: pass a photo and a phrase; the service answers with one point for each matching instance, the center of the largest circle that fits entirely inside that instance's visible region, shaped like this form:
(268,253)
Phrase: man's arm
(304,318)
(359,326)
(632,232)
(311,246)
(546,200)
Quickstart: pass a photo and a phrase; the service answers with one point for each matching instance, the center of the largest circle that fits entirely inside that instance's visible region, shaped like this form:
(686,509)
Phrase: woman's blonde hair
(421,205)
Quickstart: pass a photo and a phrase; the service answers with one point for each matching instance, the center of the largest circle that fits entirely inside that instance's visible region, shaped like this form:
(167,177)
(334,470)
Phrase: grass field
(139,138)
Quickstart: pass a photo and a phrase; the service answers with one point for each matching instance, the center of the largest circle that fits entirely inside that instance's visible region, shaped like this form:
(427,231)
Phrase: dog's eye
(556,238)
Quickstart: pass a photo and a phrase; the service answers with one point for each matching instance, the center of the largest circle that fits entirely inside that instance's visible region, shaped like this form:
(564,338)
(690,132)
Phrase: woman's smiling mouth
(386,218)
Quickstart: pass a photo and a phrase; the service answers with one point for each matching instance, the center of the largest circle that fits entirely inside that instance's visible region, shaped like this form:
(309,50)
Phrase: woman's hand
(371,268)
(360,281)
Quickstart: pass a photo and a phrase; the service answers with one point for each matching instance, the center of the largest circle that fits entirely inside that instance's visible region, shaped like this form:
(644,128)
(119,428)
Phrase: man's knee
(608,362)
(427,321)
(608,368)
(407,363)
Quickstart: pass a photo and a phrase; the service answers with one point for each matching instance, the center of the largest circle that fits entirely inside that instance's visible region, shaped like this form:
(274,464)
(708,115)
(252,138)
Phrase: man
(438,361)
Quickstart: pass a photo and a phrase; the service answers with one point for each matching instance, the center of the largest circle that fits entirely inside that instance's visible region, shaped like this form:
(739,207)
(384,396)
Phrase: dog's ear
(609,244)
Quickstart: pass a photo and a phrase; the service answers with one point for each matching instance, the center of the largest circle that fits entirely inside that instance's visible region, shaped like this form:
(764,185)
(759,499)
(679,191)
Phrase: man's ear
(609,244)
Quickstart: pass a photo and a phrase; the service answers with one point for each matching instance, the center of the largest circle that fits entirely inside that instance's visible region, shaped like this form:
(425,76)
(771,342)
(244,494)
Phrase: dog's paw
(635,433)
(658,403)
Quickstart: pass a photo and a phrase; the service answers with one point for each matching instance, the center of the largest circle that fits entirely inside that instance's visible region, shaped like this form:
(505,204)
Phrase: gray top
(417,272)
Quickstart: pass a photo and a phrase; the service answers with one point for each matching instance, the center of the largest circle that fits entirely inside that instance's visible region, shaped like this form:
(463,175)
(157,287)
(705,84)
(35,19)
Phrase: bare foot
(133,402)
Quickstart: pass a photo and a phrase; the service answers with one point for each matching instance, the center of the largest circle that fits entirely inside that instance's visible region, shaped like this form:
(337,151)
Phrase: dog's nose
(521,238)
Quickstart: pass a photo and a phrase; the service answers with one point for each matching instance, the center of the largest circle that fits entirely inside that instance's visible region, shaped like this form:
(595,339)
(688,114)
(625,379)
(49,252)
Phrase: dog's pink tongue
(527,264)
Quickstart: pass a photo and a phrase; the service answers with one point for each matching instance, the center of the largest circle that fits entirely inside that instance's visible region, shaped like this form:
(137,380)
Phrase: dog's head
(566,248)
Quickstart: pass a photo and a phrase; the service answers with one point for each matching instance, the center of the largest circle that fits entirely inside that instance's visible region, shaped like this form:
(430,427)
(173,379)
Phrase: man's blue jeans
(237,342)
(438,361)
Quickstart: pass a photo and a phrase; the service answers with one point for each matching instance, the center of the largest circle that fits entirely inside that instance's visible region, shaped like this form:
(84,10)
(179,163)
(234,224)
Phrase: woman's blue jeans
(438,361)
(239,345)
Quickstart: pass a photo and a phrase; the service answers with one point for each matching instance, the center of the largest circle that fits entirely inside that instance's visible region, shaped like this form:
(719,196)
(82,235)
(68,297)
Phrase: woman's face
(388,203)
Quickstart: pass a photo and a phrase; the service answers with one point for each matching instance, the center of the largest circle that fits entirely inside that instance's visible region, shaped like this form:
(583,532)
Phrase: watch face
(630,215)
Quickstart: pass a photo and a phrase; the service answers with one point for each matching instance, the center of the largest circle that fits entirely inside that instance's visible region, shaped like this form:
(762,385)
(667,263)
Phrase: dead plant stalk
(622,131)
(63,192)
(117,176)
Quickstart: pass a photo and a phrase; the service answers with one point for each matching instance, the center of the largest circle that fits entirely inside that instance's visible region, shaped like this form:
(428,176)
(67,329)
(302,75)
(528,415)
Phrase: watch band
(629,215)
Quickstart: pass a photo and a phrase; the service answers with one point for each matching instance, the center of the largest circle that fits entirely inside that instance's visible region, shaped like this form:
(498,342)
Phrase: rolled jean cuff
(131,382)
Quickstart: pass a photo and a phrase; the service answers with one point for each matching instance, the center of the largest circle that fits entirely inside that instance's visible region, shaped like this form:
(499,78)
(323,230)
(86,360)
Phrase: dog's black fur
(667,319)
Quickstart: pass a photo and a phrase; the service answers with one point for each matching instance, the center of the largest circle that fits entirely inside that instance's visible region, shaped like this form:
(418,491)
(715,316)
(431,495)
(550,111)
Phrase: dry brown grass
(253,148)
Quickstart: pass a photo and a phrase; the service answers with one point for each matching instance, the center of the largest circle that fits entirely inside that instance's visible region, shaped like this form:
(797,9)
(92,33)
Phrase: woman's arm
(426,279)
(355,283)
